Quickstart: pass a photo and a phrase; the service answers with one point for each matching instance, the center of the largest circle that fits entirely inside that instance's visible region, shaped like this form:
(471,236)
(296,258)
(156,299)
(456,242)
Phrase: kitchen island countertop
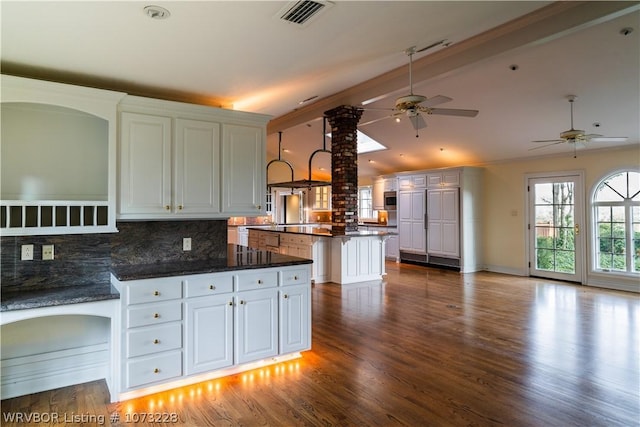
(320,230)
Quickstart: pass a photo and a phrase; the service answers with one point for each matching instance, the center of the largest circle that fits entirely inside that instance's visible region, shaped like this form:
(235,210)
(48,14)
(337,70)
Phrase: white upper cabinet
(197,167)
(187,161)
(243,170)
(378,193)
(449,178)
(58,158)
(145,164)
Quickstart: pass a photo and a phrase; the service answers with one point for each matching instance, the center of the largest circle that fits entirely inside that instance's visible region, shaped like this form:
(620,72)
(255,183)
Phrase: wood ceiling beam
(539,26)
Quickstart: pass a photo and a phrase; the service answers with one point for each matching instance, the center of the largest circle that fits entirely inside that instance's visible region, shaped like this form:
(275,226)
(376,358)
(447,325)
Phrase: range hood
(301,183)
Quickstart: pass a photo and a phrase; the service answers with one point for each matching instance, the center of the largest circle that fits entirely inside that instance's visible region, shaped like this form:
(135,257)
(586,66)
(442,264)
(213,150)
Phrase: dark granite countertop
(21,300)
(321,230)
(238,258)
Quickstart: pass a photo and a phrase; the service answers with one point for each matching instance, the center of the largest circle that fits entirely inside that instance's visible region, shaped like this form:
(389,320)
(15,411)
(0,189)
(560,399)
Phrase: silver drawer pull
(286,296)
(295,277)
(259,282)
(242,302)
(213,288)
(230,302)
(156,293)
(156,371)
(156,315)
(156,341)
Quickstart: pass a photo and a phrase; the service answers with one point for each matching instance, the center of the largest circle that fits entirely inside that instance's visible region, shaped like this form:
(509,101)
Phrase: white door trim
(580,212)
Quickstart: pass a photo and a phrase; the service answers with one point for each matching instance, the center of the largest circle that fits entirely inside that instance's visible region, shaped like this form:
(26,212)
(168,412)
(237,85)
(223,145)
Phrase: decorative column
(344,168)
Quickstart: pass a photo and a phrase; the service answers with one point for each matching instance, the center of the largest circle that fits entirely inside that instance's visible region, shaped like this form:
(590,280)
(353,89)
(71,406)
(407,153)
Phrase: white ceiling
(240,55)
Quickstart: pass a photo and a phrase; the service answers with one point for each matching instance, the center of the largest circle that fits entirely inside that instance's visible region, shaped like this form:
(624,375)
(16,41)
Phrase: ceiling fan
(577,136)
(412,105)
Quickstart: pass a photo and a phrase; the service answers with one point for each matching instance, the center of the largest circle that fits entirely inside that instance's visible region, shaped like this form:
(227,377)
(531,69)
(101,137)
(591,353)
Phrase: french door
(556,232)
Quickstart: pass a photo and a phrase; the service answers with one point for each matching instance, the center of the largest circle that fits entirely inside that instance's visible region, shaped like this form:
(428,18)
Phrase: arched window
(616,205)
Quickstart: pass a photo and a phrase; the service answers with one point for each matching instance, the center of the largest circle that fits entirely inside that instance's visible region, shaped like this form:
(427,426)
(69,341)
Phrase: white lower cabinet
(295,319)
(178,328)
(256,325)
(209,325)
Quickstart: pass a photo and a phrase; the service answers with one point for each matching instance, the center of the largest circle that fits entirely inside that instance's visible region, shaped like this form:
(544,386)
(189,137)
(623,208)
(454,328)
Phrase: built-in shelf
(19,217)
(58,158)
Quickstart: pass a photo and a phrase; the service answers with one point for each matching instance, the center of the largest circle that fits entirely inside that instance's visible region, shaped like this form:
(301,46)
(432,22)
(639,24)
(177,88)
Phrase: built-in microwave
(390,200)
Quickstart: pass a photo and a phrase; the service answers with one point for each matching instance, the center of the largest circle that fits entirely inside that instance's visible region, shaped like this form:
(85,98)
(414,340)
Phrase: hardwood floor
(426,347)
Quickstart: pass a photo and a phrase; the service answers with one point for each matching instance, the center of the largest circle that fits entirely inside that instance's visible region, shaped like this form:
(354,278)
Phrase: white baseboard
(505,270)
(47,371)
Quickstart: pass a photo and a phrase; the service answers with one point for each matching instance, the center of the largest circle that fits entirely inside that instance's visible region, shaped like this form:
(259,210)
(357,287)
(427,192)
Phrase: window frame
(628,205)
(374,212)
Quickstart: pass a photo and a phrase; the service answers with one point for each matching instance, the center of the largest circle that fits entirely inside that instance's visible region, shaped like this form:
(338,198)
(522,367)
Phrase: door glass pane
(554,227)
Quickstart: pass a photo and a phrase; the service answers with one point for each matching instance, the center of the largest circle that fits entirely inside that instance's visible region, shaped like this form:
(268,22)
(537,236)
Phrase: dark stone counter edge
(307,230)
(153,271)
(57,296)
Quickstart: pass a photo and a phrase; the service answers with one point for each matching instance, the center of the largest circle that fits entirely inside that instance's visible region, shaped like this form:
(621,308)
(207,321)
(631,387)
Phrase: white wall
(504,193)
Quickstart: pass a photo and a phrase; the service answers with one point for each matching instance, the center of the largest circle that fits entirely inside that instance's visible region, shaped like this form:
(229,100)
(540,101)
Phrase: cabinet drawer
(301,240)
(257,280)
(208,285)
(295,277)
(146,370)
(154,339)
(153,290)
(154,314)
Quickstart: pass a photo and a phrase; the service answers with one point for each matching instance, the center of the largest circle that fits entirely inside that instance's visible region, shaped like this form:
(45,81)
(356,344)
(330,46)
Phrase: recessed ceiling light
(157,12)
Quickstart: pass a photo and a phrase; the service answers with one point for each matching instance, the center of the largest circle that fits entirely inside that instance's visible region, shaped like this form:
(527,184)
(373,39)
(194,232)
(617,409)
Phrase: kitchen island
(346,258)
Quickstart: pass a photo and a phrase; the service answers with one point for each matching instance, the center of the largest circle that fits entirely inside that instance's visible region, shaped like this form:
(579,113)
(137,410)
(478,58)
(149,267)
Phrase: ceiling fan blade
(543,146)
(390,116)
(436,100)
(453,112)
(600,138)
(418,122)
(375,120)
(377,109)
(549,140)
(438,43)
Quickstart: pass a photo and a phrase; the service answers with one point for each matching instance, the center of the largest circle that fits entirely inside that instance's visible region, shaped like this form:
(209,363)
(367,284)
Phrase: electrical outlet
(27,253)
(186,244)
(47,252)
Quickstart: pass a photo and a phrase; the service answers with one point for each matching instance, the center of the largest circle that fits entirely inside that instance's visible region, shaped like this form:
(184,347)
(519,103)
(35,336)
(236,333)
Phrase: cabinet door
(295,319)
(243,170)
(145,164)
(411,221)
(378,194)
(209,327)
(197,167)
(256,325)
(391,247)
(443,222)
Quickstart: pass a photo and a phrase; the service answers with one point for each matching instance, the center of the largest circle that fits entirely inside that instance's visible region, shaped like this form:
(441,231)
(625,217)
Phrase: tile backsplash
(149,242)
(82,259)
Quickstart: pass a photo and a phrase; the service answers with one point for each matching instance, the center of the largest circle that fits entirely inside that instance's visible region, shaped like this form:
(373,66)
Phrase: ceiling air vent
(303,11)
